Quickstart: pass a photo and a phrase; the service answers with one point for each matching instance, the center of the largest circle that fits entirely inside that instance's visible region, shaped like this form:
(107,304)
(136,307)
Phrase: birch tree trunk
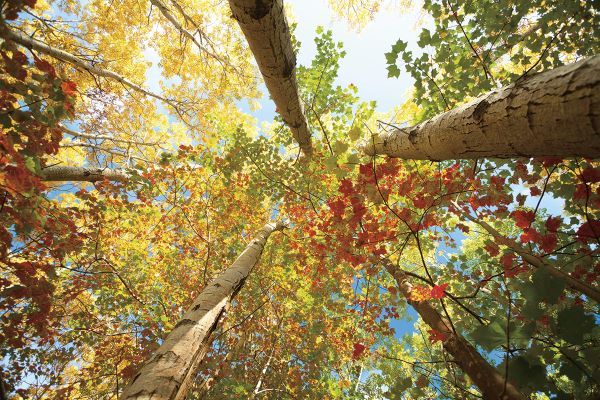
(266,29)
(555,113)
(168,374)
(490,382)
(63,173)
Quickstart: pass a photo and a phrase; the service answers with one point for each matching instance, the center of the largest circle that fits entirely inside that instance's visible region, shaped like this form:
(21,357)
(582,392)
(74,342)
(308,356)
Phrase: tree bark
(266,29)
(61,173)
(169,373)
(552,114)
(487,378)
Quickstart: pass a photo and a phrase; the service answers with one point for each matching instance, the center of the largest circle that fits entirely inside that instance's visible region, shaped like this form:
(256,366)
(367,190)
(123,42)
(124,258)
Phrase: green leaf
(354,133)
(393,71)
(573,323)
(399,46)
(548,288)
(490,336)
(340,147)
(526,374)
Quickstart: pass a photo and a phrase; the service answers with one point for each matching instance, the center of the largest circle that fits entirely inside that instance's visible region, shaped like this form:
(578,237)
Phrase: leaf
(359,349)
(69,88)
(340,147)
(490,336)
(547,287)
(573,323)
(526,374)
(437,292)
(354,133)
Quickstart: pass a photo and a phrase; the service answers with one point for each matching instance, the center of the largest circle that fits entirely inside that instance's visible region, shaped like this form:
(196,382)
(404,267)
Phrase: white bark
(552,114)
(266,29)
(62,173)
(169,372)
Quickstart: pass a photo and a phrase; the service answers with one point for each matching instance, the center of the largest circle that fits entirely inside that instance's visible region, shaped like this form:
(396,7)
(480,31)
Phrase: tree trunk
(487,378)
(169,373)
(266,29)
(555,114)
(82,174)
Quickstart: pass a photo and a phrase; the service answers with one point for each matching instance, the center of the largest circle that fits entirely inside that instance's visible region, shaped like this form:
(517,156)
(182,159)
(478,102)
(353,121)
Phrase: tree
(551,114)
(265,26)
(169,372)
(127,189)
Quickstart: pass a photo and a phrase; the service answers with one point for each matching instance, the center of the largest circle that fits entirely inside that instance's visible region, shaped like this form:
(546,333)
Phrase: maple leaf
(346,187)
(589,231)
(437,336)
(591,175)
(523,219)
(69,88)
(531,235)
(359,349)
(437,292)
(45,66)
(492,248)
(548,242)
(507,260)
(553,223)
(419,201)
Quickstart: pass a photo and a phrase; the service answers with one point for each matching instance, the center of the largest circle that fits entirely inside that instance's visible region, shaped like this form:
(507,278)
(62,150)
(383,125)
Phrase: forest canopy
(158,240)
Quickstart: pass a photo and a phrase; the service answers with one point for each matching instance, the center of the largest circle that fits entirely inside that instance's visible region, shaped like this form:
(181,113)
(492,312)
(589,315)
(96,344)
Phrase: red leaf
(359,348)
(463,228)
(523,219)
(346,187)
(553,223)
(591,175)
(69,88)
(419,201)
(45,66)
(492,249)
(549,242)
(437,292)
(535,191)
(507,260)
(437,336)
(531,235)
(588,231)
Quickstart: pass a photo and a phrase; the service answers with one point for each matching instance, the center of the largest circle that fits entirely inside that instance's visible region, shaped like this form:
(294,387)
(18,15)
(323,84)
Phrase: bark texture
(555,114)
(488,379)
(266,29)
(60,173)
(168,374)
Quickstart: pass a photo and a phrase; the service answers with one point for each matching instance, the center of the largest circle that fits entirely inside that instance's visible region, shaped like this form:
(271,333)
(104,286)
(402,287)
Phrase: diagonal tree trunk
(555,114)
(266,29)
(490,382)
(168,374)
